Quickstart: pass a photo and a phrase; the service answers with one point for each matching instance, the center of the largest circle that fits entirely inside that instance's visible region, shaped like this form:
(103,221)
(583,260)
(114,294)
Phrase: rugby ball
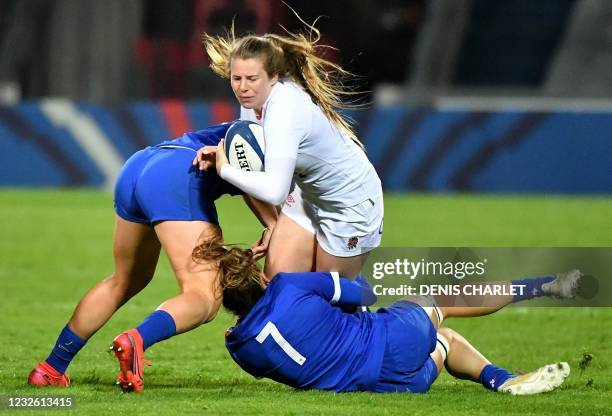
(245,146)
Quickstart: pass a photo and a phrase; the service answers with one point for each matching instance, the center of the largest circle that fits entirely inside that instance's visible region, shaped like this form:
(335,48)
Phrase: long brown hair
(238,274)
(293,56)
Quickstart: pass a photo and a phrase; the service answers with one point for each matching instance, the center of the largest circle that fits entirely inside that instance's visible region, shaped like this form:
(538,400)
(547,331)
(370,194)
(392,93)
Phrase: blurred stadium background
(466,95)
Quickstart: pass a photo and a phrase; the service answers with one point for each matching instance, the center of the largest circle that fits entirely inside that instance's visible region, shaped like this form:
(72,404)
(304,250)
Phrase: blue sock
(67,346)
(156,327)
(532,287)
(492,377)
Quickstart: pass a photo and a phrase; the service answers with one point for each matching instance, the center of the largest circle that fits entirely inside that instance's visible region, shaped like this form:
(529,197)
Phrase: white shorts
(342,232)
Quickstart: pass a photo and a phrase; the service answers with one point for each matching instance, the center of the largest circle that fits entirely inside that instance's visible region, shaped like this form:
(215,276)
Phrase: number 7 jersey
(296,336)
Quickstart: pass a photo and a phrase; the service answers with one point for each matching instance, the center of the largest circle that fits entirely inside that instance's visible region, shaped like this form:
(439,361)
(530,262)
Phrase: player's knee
(196,283)
(449,335)
(210,313)
(445,311)
(127,285)
(207,309)
(202,301)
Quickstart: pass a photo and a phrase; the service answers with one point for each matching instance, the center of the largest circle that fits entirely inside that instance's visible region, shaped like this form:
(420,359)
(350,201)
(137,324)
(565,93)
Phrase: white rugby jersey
(330,168)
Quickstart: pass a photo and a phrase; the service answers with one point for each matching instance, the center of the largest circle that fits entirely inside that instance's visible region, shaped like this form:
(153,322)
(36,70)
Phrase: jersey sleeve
(333,288)
(271,186)
(287,122)
(246,114)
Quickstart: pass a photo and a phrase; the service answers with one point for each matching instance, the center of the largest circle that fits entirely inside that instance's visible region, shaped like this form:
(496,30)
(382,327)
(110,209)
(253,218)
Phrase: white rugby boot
(565,285)
(541,380)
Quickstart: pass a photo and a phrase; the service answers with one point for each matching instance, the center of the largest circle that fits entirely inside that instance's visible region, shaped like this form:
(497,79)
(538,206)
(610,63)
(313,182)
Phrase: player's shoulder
(287,91)
(211,134)
(248,115)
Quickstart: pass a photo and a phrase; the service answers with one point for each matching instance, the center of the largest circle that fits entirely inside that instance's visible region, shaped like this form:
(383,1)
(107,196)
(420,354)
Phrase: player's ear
(274,79)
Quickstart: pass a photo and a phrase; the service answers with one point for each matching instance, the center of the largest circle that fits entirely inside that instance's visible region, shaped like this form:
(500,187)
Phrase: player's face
(250,82)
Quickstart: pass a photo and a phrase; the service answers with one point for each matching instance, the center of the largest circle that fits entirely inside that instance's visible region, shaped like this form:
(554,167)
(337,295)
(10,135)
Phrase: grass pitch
(54,245)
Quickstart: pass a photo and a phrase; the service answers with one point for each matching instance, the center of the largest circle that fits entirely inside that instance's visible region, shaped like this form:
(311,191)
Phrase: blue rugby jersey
(295,335)
(210,136)
(194,140)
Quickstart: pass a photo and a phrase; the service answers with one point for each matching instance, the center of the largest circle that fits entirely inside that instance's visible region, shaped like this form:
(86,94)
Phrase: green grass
(54,245)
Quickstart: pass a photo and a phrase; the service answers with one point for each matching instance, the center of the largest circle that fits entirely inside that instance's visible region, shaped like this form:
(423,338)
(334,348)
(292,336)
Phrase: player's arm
(285,125)
(350,292)
(333,288)
(271,186)
(267,215)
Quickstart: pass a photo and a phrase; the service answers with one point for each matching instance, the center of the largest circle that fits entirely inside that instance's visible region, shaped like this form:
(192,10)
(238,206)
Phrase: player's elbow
(368,297)
(277,197)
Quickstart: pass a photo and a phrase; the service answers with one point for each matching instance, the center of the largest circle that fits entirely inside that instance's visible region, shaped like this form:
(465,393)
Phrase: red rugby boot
(44,375)
(130,354)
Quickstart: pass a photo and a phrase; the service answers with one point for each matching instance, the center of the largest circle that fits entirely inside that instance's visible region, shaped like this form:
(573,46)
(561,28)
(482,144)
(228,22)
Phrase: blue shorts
(411,338)
(158,184)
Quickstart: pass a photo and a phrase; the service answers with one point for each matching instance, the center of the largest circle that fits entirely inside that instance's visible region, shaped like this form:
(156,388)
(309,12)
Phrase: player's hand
(205,157)
(221,156)
(260,247)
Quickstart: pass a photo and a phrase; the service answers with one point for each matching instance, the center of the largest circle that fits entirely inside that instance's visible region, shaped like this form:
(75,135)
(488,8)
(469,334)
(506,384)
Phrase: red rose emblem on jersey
(352,243)
(290,200)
